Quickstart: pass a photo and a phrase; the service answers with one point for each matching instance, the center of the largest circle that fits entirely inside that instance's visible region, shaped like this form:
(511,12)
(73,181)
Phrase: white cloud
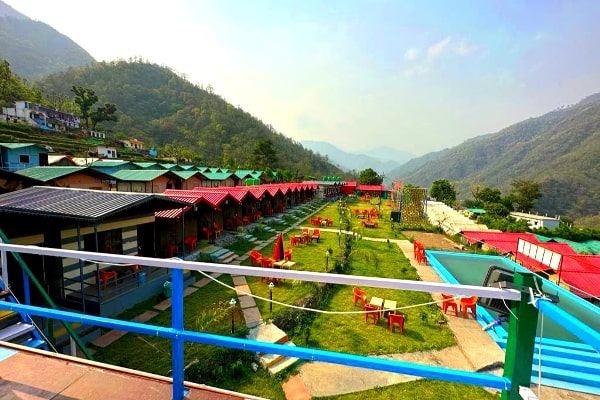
(463,48)
(438,48)
(411,54)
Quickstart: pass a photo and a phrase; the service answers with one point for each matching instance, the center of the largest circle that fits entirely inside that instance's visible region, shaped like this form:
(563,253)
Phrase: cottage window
(24,158)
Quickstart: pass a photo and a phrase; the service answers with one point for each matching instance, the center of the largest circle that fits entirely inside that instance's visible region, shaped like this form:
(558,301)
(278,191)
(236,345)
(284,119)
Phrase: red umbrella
(278,249)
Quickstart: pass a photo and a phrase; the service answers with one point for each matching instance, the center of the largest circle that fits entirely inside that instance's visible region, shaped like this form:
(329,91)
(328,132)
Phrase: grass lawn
(206,310)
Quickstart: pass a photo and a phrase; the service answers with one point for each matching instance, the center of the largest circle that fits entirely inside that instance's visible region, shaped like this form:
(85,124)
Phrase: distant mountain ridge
(34,49)
(560,150)
(381,160)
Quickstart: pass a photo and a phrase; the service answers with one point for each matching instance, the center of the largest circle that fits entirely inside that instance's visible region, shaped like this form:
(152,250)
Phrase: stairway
(219,254)
(270,333)
(18,328)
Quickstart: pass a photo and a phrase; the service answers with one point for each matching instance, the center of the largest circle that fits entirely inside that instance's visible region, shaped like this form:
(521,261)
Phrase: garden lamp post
(271,286)
(232,305)
(327,259)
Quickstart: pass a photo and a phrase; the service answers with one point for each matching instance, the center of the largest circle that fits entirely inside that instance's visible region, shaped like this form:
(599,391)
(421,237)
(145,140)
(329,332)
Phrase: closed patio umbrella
(278,249)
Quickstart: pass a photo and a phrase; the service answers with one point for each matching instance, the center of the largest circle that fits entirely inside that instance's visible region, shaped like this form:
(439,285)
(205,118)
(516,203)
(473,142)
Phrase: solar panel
(494,276)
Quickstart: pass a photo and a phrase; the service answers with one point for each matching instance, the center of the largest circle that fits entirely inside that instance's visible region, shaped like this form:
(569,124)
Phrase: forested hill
(560,150)
(35,49)
(161,108)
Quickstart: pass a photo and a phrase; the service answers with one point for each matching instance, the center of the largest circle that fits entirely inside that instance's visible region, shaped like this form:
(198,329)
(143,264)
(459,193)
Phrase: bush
(220,365)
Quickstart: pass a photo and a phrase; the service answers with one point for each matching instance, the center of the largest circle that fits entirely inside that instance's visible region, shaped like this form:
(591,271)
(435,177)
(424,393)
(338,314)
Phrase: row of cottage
(154,210)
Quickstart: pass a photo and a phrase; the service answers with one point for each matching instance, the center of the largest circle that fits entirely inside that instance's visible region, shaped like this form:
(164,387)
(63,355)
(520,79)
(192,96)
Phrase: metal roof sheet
(140,175)
(16,145)
(110,163)
(79,204)
(46,174)
(217,176)
(170,166)
(147,165)
(243,173)
(185,174)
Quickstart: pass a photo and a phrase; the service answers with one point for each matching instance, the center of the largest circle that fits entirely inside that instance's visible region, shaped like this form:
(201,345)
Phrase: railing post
(177,323)
(521,338)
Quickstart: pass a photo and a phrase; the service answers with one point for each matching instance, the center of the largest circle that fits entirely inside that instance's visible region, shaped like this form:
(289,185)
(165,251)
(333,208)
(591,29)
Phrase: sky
(414,75)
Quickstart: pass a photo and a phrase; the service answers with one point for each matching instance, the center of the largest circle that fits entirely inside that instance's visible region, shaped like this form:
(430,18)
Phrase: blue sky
(418,76)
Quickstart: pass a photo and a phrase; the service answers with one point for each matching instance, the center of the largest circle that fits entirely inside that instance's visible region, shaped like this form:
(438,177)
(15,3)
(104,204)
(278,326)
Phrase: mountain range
(34,48)
(381,159)
(560,150)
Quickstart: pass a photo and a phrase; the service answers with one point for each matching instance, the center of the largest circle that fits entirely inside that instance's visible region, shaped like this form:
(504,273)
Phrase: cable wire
(313,309)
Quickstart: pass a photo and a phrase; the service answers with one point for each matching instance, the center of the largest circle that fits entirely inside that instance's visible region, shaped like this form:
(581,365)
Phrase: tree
(85,99)
(106,113)
(525,193)
(264,154)
(369,177)
(443,191)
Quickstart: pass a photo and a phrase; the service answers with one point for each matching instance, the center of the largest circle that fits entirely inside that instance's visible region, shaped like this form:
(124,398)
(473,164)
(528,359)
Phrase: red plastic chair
(468,303)
(106,276)
(287,255)
(449,303)
(371,312)
(396,319)
(359,295)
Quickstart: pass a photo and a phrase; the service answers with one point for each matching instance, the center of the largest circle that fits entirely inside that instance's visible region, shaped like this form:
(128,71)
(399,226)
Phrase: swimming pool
(566,361)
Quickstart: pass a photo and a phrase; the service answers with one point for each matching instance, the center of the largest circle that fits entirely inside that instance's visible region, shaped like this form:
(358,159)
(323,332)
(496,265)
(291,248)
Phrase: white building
(537,221)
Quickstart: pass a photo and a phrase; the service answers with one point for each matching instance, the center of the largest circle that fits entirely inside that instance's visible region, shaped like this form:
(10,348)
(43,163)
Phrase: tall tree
(264,154)
(526,193)
(369,177)
(443,191)
(106,113)
(85,99)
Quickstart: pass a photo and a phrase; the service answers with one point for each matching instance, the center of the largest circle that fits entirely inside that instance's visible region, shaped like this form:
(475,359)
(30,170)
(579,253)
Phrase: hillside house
(537,221)
(42,117)
(133,144)
(103,152)
(16,156)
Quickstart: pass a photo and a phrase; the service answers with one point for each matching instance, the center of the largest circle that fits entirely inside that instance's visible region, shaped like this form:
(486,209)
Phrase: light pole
(327,253)
(271,286)
(232,305)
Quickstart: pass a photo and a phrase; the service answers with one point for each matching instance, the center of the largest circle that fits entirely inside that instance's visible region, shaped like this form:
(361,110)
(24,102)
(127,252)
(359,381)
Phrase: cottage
(16,156)
(77,219)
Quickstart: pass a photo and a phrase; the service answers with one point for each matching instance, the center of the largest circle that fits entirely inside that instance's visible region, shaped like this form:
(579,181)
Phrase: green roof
(217,176)
(476,210)
(147,165)
(46,174)
(185,174)
(189,167)
(243,173)
(110,163)
(16,145)
(140,175)
(171,167)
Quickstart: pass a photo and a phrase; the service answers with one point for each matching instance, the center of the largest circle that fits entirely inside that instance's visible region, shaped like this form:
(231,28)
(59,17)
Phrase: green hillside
(560,150)
(183,120)
(35,49)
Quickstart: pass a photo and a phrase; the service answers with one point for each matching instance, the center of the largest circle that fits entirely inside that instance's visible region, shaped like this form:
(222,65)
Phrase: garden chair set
(464,304)
(377,308)
(319,221)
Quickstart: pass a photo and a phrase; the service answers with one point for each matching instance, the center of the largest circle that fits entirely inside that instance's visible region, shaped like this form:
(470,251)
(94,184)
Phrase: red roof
(371,188)
(582,272)
(214,196)
(503,242)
